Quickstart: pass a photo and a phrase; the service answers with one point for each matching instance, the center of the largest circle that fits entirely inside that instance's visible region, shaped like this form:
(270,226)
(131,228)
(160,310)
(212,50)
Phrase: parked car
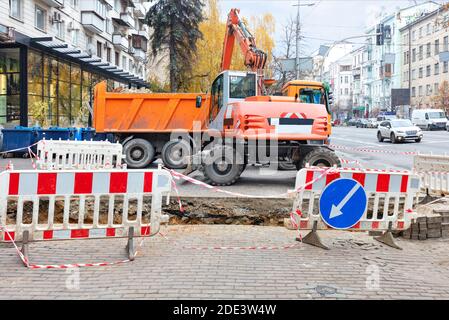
(381,118)
(429,119)
(398,130)
(372,123)
(351,122)
(447,126)
(361,123)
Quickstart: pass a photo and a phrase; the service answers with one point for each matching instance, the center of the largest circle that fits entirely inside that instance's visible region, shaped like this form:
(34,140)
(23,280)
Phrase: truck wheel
(139,153)
(174,154)
(223,166)
(319,157)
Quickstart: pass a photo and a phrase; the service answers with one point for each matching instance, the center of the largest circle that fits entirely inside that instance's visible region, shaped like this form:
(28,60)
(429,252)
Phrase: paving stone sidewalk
(356,267)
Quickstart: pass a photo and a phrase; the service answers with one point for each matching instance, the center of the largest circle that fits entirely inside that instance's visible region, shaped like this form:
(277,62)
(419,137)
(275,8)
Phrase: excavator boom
(255,59)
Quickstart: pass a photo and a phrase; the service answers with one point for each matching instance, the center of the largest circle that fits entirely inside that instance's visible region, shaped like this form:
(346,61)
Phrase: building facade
(382,64)
(425,57)
(53,52)
(341,82)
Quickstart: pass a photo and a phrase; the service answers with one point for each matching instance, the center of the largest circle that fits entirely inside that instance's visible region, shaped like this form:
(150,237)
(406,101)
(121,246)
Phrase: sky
(323,23)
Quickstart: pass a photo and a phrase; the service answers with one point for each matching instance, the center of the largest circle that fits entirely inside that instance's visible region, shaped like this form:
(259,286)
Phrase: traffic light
(380,33)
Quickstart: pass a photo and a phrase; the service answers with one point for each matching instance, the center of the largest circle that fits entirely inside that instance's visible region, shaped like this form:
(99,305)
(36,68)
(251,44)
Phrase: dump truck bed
(147,112)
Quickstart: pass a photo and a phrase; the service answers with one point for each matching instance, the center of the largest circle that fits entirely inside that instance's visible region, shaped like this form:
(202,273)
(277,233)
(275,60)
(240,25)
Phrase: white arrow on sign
(336,210)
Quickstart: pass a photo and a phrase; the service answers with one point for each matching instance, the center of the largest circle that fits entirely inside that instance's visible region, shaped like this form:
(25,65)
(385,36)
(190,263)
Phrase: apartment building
(383,62)
(341,82)
(425,57)
(53,52)
(358,91)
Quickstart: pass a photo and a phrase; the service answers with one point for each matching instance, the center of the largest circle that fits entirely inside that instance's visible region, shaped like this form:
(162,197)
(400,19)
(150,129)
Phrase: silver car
(398,130)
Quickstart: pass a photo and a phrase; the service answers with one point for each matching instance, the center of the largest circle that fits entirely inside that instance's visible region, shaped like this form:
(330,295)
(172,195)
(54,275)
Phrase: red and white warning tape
(406,153)
(62,266)
(177,175)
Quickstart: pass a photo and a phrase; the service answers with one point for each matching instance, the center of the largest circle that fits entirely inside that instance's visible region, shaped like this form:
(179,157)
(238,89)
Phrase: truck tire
(139,153)
(319,157)
(174,154)
(223,167)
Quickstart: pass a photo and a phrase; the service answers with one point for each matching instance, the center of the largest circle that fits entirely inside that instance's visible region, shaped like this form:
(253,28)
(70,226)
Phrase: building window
(437,68)
(420,75)
(40,18)
(428,72)
(421,50)
(428,29)
(16,9)
(74,3)
(428,90)
(108,26)
(413,35)
(413,55)
(9,86)
(99,45)
(445,67)
(420,91)
(124,63)
(436,89)
(445,43)
(346,91)
(413,92)
(346,79)
(420,32)
(117,58)
(429,50)
(60,30)
(414,74)
(108,54)
(74,37)
(437,47)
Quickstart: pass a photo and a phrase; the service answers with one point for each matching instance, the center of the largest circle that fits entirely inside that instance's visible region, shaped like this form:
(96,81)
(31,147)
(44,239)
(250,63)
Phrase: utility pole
(298,30)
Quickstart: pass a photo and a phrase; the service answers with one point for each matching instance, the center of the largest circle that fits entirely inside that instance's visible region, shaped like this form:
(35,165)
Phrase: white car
(398,130)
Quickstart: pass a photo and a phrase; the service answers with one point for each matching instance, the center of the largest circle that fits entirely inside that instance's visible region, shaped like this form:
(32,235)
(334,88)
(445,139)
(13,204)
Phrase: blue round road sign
(343,203)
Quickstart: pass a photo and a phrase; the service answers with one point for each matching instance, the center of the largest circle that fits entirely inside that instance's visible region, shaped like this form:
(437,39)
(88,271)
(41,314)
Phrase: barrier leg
(130,244)
(25,241)
(387,238)
(313,238)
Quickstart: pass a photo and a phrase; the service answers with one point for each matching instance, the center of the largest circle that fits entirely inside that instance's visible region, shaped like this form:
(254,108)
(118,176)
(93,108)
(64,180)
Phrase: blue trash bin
(19,138)
(56,133)
(87,134)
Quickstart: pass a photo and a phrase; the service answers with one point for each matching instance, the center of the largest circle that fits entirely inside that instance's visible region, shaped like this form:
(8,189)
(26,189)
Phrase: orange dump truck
(232,122)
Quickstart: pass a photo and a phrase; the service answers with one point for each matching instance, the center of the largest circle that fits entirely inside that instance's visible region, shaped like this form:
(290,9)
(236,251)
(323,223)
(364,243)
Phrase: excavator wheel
(286,166)
(174,154)
(139,153)
(319,157)
(223,166)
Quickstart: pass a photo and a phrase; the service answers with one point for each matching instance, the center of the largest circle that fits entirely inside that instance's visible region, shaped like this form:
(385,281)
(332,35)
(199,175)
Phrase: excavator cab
(229,87)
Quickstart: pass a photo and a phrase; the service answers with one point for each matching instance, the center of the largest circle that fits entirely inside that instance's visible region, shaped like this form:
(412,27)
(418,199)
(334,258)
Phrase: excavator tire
(286,166)
(223,167)
(319,157)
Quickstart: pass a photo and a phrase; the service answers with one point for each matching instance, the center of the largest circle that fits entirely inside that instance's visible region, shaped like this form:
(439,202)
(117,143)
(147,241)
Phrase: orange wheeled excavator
(220,132)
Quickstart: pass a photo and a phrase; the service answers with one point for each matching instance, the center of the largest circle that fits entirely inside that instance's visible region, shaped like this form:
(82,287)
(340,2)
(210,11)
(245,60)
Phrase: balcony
(140,55)
(92,22)
(54,3)
(125,19)
(139,11)
(120,41)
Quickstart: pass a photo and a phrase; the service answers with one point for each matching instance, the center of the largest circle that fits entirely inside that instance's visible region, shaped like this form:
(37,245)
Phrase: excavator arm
(255,58)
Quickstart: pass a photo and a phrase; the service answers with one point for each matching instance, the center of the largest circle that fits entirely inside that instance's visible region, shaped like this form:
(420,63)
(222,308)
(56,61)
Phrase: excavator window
(241,87)
(217,97)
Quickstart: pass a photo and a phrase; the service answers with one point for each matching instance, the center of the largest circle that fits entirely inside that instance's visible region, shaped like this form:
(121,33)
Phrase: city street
(262,181)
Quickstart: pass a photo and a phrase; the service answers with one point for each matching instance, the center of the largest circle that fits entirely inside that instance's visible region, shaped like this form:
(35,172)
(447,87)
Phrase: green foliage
(39,112)
(175,27)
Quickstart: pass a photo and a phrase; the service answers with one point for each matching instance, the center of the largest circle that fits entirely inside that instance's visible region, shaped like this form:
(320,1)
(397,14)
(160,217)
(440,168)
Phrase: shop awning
(85,60)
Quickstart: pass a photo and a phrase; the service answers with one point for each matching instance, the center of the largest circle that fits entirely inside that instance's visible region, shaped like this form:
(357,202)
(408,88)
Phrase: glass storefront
(59,92)
(9,86)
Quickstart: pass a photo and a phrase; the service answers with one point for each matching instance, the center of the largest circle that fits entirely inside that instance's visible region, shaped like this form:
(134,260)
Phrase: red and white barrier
(67,154)
(85,192)
(390,198)
(434,173)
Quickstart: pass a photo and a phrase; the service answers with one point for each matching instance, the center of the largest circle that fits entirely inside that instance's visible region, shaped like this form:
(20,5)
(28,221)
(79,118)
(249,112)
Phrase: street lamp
(298,21)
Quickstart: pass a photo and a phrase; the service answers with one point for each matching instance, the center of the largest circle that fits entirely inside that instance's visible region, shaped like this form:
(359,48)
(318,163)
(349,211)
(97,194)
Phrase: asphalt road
(260,181)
